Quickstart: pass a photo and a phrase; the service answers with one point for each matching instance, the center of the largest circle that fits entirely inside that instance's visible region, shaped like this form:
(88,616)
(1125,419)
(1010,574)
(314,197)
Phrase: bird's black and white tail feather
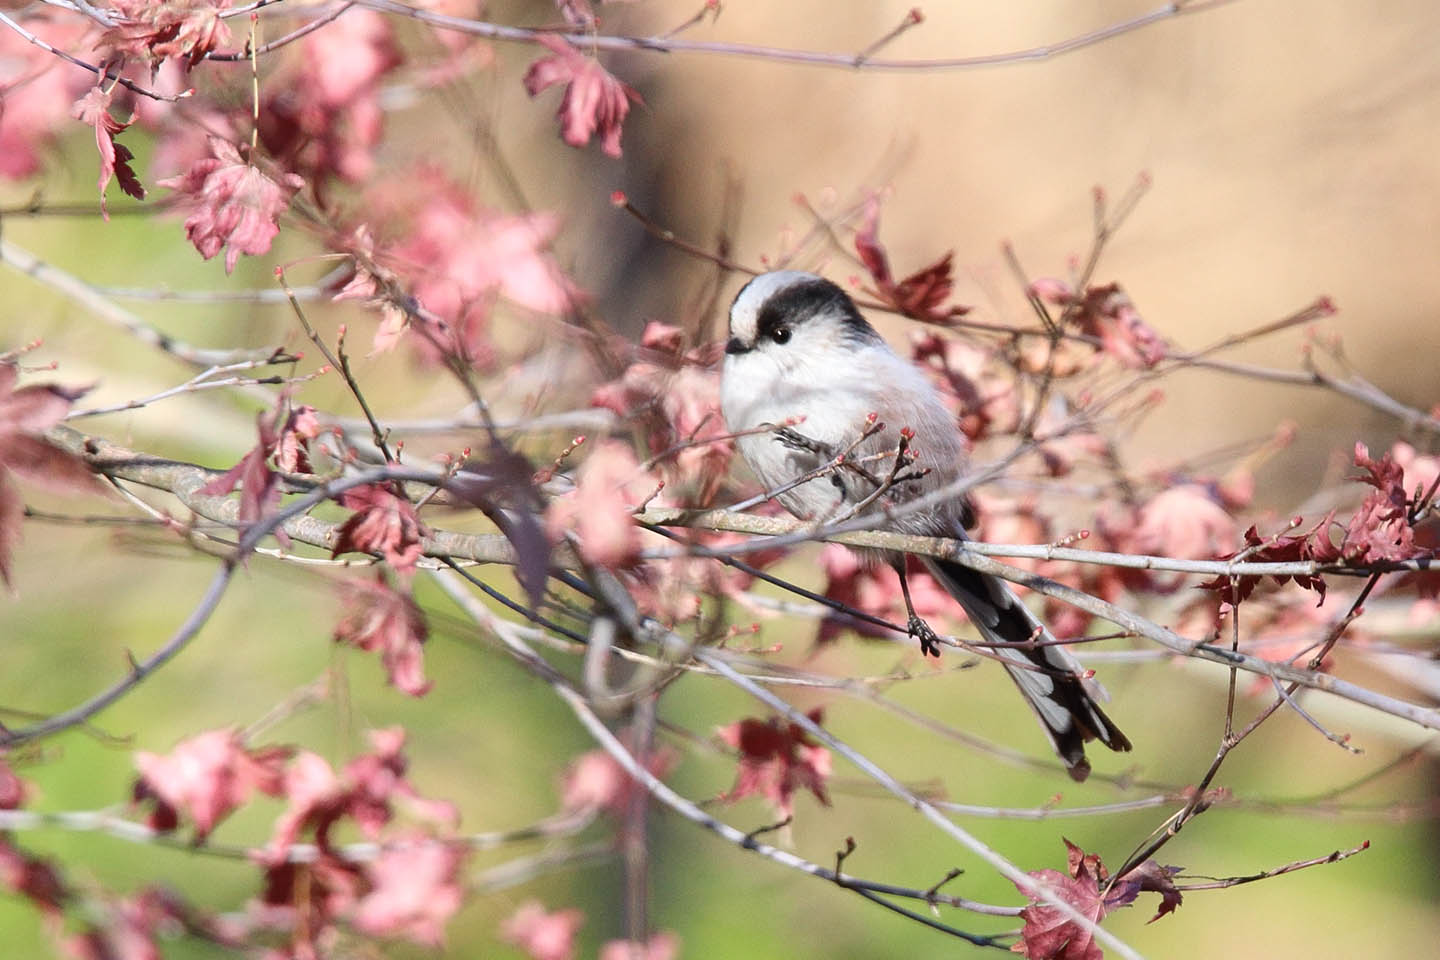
(1048,675)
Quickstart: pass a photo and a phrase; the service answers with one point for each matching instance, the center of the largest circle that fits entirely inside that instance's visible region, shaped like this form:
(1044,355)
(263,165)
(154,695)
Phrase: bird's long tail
(1047,674)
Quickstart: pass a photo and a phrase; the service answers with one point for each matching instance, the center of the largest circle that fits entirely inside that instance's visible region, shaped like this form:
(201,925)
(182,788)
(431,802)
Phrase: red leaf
(381,619)
(34,879)
(94,109)
(593,101)
(1048,933)
(1151,877)
(206,777)
(542,935)
(919,295)
(383,523)
(282,436)
(776,758)
(233,203)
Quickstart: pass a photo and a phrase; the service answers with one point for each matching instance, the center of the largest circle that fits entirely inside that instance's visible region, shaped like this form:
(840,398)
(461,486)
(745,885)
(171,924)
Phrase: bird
(834,424)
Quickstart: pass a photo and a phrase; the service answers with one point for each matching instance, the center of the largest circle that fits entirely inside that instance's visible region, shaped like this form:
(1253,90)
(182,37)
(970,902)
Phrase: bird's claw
(796,440)
(929,639)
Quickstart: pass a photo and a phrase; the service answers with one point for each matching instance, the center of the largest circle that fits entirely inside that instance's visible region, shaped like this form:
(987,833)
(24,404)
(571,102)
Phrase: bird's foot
(796,440)
(929,639)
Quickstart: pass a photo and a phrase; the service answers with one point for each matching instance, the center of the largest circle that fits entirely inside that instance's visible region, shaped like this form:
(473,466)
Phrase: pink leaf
(542,935)
(381,619)
(206,777)
(608,486)
(383,523)
(593,101)
(94,109)
(416,889)
(233,203)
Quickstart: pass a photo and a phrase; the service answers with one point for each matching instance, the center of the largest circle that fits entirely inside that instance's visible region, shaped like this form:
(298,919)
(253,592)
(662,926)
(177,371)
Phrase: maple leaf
(1051,935)
(661,946)
(207,777)
(415,888)
(233,203)
(184,29)
(300,427)
(381,618)
(1381,530)
(383,523)
(919,296)
(1281,548)
(1106,311)
(94,109)
(1151,877)
(25,414)
(776,758)
(593,101)
(543,935)
(305,899)
(259,485)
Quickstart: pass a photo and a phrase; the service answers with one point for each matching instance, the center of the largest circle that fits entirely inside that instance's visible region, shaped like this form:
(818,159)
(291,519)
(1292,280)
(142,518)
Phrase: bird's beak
(734,346)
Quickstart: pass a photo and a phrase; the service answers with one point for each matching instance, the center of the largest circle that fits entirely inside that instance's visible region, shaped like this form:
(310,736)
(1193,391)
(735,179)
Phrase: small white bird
(801,354)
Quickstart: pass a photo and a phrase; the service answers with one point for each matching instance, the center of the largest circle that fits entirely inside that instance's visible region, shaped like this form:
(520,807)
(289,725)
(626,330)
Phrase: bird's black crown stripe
(796,304)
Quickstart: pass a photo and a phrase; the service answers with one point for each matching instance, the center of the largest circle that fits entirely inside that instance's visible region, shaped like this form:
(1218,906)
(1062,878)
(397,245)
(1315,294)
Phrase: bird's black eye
(780,334)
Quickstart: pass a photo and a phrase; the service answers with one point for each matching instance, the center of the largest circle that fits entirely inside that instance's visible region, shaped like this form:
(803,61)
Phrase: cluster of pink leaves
(1106,312)
(1381,530)
(320,120)
(672,393)
(411,889)
(111,927)
(455,259)
(381,615)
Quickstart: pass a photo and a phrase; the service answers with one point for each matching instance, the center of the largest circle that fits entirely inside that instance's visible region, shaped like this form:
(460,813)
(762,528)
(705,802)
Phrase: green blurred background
(1292,146)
